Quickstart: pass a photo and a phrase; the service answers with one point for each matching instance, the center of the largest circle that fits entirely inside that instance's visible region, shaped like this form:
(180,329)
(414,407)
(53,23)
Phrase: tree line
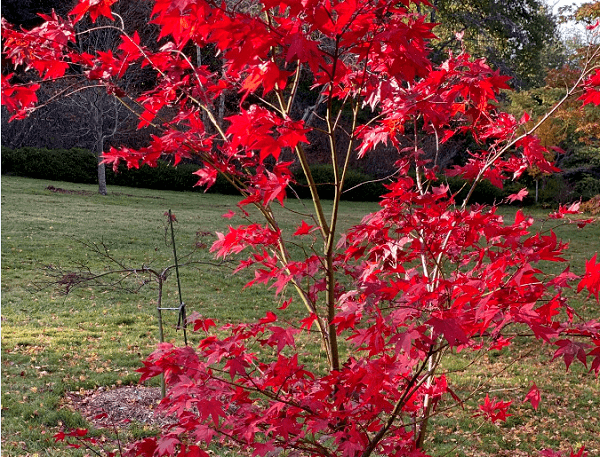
(520,39)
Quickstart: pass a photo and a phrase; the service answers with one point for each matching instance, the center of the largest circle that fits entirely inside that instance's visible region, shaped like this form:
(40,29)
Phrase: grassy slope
(52,344)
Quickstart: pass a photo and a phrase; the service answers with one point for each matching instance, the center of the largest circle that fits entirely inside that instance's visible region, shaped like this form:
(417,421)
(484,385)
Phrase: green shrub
(555,189)
(162,177)
(587,187)
(358,185)
(72,165)
(165,177)
(80,166)
(8,160)
(323,177)
(485,192)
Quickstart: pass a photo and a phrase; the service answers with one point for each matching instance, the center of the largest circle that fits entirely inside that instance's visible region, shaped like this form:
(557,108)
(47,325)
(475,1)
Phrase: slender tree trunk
(99,145)
(101,176)
(101,167)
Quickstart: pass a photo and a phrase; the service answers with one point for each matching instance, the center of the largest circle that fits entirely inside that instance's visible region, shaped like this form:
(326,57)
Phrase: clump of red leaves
(419,278)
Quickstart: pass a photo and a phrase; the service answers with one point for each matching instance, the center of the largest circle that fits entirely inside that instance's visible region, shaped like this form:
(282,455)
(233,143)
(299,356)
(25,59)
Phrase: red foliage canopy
(418,278)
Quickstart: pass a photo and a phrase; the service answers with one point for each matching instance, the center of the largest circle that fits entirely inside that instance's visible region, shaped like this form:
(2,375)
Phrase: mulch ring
(117,406)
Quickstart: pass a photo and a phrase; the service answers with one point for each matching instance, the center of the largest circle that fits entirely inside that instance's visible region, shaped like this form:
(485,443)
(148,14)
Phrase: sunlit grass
(97,336)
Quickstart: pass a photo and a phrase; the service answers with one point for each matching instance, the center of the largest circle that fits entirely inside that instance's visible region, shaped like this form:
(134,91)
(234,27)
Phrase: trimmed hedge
(79,165)
(165,177)
(72,165)
(357,186)
(485,192)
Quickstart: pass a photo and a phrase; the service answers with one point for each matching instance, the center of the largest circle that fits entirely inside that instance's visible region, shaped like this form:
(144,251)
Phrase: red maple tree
(422,277)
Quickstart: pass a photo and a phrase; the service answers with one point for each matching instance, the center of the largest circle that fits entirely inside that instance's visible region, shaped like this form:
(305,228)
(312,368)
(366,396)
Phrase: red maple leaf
(591,278)
(192,451)
(308,321)
(131,47)
(166,445)
(533,396)
(563,210)
(237,366)
(519,196)
(569,349)
(450,329)
(200,322)
(94,7)
(304,50)
(291,133)
(304,229)
(268,75)
(494,410)
(282,337)
(592,90)
(18,98)
(207,175)
(500,342)
(145,447)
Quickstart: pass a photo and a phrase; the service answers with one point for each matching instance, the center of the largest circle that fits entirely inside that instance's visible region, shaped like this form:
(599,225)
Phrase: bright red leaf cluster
(422,276)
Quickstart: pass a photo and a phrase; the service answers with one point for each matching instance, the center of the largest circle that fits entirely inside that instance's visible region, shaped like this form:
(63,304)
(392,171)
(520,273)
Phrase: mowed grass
(97,336)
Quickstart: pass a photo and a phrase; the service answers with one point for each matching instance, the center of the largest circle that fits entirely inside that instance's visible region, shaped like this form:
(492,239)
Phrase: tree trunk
(99,145)
(101,168)
(101,177)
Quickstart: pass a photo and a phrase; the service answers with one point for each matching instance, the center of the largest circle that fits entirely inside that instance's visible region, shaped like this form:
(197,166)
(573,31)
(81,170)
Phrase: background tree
(574,128)
(520,39)
(74,113)
(26,12)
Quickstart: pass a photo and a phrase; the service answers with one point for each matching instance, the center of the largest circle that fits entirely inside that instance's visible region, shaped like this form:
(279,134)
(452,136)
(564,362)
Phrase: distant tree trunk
(101,168)
(98,114)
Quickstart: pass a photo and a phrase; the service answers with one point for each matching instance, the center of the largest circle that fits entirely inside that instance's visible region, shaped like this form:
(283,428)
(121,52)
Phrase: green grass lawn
(96,336)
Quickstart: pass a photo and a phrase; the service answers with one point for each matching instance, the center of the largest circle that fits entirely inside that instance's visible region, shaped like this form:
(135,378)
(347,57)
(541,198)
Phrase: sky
(558,3)
(569,27)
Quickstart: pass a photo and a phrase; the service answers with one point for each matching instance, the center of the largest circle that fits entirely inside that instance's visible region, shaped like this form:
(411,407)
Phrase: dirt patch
(108,407)
(59,190)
